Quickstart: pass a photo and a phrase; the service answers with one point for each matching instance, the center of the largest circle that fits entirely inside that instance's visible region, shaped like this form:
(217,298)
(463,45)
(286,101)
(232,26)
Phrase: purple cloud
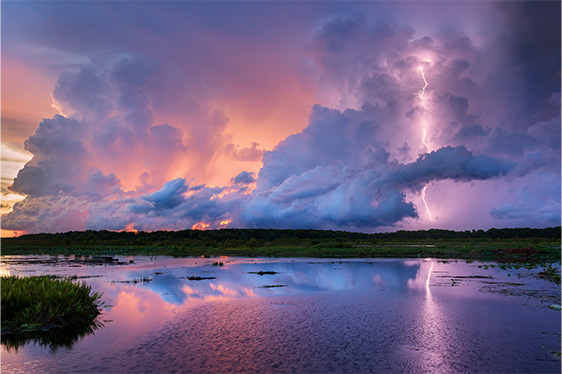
(244,178)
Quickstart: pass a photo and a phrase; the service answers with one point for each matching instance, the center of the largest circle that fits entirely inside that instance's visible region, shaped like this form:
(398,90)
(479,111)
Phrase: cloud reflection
(239,280)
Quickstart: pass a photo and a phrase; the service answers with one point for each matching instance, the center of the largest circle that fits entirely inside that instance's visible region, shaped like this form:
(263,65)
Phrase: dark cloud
(169,196)
(244,178)
(532,43)
(340,195)
(470,132)
(457,164)
(177,205)
(529,207)
(348,180)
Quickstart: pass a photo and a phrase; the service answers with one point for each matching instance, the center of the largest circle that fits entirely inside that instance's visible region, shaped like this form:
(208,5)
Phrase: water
(300,315)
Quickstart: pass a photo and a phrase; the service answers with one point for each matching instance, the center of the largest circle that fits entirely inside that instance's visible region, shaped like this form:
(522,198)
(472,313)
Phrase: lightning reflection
(427,280)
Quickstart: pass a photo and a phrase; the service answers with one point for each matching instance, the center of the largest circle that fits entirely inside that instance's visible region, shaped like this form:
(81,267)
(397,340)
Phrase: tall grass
(34,303)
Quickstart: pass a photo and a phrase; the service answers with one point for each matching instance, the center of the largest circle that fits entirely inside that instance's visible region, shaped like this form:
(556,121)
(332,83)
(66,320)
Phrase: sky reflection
(237,280)
(357,315)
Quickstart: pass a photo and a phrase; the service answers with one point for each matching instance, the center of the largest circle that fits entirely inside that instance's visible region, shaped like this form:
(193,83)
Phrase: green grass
(507,250)
(39,303)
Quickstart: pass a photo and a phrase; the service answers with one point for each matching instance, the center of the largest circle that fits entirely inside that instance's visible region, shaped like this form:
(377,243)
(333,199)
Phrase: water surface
(300,315)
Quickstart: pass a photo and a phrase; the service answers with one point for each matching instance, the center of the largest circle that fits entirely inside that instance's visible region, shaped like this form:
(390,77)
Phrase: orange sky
(263,117)
(25,101)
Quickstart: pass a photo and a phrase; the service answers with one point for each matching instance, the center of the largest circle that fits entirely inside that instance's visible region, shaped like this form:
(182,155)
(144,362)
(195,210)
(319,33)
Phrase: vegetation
(41,303)
(551,274)
(504,245)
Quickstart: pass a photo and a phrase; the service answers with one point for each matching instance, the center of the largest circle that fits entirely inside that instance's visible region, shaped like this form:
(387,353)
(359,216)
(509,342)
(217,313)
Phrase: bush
(34,303)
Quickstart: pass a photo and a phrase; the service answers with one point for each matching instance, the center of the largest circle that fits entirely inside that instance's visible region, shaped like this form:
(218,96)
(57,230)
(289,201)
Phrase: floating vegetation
(554,353)
(551,274)
(74,277)
(197,278)
(142,280)
(41,303)
(263,272)
(71,262)
(412,348)
(541,298)
(505,283)
(273,286)
(465,276)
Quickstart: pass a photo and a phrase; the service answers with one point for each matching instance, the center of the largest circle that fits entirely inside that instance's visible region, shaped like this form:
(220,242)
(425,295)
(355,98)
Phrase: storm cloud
(334,127)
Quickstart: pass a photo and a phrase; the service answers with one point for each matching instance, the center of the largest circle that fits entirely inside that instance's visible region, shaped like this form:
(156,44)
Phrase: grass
(41,303)
(528,250)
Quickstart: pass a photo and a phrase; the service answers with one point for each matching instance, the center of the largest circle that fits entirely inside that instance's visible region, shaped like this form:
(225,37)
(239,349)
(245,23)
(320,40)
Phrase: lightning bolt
(422,98)
(425,203)
(425,86)
(424,140)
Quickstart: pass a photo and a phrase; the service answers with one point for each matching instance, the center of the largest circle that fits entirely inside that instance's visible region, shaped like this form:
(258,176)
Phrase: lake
(297,315)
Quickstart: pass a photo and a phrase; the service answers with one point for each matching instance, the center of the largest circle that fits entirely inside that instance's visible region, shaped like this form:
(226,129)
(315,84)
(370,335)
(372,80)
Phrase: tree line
(260,237)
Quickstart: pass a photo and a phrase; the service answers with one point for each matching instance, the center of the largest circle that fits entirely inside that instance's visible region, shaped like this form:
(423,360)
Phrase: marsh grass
(41,303)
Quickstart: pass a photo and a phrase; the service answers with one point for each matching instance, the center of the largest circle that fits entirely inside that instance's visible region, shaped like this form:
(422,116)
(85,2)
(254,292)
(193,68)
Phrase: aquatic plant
(551,274)
(197,278)
(142,280)
(39,303)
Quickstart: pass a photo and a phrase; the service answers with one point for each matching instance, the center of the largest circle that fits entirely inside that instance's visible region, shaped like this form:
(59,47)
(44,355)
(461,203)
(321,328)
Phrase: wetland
(257,314)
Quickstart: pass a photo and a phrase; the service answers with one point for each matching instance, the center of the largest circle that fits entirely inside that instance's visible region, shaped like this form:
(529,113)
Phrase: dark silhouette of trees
(261,237)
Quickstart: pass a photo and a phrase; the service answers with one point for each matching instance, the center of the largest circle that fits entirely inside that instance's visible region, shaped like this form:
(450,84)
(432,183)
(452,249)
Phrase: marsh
(300,315)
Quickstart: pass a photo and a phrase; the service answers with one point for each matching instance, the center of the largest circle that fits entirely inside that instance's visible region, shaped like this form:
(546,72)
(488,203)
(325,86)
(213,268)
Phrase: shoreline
(502,252)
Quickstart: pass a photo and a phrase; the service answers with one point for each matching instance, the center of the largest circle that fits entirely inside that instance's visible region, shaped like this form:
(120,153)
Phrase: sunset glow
(225,222)
(11,233)
(131,228)
(200,226)
(361,116)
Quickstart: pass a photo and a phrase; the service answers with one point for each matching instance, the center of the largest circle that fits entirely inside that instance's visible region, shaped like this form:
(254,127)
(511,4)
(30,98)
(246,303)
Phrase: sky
(360,116)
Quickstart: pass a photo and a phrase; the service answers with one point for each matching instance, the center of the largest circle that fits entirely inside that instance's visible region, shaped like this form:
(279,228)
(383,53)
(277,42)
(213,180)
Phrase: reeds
(39,303)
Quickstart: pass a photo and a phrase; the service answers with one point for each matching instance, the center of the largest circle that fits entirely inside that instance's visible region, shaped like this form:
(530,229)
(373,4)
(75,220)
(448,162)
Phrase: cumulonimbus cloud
(113,158)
